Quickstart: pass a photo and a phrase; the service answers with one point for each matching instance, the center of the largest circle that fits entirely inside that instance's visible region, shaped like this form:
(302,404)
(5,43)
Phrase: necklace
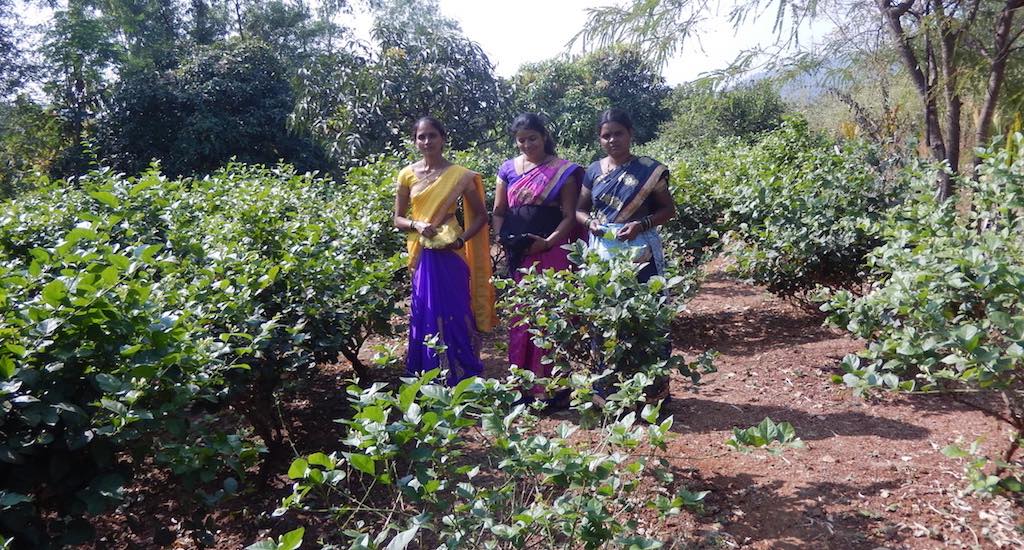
(606,164)
(522,163)
(428,175)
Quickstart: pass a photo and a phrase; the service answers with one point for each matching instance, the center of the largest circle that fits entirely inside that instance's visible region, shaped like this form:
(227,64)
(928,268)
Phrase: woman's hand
(426,229)
(456,244)
(538,245)
(594,227)
(629,231)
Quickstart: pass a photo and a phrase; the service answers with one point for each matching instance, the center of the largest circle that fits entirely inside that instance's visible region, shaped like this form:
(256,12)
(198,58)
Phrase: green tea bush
(600,323)
(133,306)
(801,207)
(469,467)
(945,311)
(694,235)
(426,465)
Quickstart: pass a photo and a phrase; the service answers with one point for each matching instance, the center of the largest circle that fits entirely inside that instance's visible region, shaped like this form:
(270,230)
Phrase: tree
(936,41)
(293,30)
(701,113)
(359,102)
(932,37)
(225,101)
(13,65)
(572,91)
(148,31)
(29,141)
(78,52)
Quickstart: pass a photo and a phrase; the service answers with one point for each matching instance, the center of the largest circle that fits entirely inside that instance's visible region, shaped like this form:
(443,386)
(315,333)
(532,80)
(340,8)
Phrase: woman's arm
(583,206)
(405,224)
(500,206)
(665,209)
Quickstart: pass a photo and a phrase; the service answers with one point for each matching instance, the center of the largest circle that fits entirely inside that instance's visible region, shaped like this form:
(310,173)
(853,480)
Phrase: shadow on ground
(701,415)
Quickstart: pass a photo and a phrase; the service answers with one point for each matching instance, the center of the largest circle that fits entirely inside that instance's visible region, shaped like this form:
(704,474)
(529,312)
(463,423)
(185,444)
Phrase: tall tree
(14,66)
(931,37)
(936,41)
(148,31)
(225,101)
(572,91)
(78,51)
(360,100)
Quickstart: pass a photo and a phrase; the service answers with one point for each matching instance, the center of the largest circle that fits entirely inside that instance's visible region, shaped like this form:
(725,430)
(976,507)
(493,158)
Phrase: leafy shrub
(599,321)
(227,101)
(945,311)
(468,467)
(133,305)
(988,476)
(701,115)
(693,236)
(801,208)
(775,437)
(92,364)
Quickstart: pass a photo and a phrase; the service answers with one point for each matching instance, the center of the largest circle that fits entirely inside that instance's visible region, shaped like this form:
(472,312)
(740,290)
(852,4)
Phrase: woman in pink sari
(534,216)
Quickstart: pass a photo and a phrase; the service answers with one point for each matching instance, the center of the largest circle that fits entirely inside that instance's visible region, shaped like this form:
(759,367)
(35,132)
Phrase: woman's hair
(533,121)
(431,121)
(615,115)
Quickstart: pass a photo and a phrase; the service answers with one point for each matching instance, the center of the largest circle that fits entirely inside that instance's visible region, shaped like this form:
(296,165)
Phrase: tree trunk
(996,75)
(948,44)
(936,144)
(362,371)
(860,115)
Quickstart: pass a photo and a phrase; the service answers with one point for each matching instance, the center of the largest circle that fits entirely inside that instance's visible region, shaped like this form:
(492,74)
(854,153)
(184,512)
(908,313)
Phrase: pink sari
(540,186)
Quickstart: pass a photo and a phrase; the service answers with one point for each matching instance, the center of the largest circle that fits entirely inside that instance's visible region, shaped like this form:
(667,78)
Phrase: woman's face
(530,143)
(428,140)
(615,139)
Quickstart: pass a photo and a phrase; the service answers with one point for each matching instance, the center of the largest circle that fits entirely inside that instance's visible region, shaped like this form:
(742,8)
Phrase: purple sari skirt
(440,306)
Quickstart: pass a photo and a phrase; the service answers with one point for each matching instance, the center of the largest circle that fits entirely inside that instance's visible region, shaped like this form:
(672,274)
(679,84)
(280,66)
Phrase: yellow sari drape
(436,205)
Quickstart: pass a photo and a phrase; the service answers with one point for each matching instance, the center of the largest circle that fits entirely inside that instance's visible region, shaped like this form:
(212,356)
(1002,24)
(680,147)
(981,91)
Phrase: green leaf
(402,540)
(292,539)
(320,459)
(298,469)
(7,368)
(106,198)
(116,407)
(407,395)
(109,275)
(78,234)
(362,463)
(54,292)
(954,451)
(128,351)
(108,383)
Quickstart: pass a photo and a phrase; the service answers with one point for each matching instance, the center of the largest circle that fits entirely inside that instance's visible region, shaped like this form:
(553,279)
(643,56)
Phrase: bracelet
(647,222)
(461,242)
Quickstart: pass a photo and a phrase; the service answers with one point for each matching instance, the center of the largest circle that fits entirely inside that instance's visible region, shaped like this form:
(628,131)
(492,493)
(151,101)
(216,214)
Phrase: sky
(515,32)
(523,31)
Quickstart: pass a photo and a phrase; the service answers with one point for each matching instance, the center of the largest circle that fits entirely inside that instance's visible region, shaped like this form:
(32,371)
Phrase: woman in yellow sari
(452,295)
